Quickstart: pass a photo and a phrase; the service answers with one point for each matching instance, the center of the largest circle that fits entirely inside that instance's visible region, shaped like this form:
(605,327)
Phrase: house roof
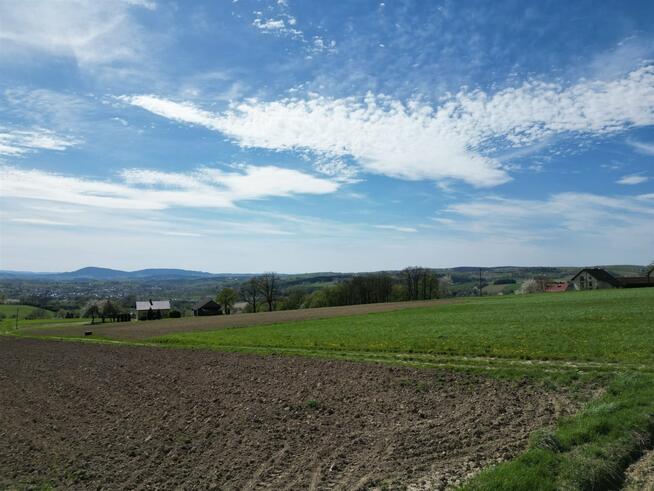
(207,302)
(599,274)
(153,304)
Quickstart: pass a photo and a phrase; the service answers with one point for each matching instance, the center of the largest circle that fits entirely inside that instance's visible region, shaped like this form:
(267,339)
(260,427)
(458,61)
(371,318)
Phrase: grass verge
(589,451)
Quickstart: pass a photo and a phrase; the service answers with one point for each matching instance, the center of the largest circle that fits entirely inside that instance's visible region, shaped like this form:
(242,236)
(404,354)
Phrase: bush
(174,314)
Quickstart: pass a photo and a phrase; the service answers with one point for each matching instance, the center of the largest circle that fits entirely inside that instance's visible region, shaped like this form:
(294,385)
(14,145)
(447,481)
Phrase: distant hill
(106,274)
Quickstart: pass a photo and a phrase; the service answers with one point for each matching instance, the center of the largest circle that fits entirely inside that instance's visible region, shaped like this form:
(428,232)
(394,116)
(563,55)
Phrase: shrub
(174,314)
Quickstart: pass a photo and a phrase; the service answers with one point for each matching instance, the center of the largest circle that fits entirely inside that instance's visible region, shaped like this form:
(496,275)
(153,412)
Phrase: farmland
(23,311)
(574,371)
(605,326)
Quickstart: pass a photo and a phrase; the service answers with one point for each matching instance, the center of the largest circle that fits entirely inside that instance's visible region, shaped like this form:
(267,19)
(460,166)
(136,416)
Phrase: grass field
(603,326)
(603,339)
(9,310)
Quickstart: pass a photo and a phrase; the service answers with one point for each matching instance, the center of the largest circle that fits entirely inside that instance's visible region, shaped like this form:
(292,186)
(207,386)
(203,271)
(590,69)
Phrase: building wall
(586,281)
(143,314)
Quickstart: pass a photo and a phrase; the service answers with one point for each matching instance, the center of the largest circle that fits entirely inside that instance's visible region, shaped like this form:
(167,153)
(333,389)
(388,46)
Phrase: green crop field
(602,326)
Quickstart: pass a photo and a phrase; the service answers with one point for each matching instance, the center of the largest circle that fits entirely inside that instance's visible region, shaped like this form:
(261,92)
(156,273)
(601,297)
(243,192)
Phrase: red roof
(559,286)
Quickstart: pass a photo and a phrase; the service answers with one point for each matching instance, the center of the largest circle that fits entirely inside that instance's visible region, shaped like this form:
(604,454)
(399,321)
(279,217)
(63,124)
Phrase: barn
(598,278)
(594,279)
(207,307)
(152,309)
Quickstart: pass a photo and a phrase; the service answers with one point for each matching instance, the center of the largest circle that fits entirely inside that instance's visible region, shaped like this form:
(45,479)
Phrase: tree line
(266,292)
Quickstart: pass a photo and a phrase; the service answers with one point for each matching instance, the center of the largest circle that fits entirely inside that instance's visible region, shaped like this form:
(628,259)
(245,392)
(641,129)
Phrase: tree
(91,310)
(269,288)
(295,298)
(250,292)
(531,286)
(421,283)
(444,285)
(108,309)
(227,298)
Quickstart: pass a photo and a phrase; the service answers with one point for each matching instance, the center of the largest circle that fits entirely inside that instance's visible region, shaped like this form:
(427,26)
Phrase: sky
(349,135)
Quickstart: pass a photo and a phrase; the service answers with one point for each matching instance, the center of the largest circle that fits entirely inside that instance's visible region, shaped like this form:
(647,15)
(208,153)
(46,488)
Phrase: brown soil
(80,416)
(146,329)
(640,475)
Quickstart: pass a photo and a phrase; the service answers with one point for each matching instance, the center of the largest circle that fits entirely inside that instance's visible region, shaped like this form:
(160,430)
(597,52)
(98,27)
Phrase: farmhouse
(207,307)
(152,309)
(598,278)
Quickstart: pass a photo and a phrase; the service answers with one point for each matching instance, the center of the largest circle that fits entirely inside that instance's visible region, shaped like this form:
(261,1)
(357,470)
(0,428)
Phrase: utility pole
(17,310)
(480,282)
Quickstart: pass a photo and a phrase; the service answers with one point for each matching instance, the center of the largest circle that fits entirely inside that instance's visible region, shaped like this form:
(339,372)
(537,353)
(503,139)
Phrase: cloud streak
(19,142)
(632,180)
(416,141)
(142,189)
(560,217)
(91,32)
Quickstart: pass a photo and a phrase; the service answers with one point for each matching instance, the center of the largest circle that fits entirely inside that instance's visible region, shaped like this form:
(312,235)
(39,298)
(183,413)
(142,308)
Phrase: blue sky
(287,135)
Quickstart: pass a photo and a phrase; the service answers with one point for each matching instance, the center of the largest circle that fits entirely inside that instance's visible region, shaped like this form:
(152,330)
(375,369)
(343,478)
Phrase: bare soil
(146,329)
(91,416)
(640,475)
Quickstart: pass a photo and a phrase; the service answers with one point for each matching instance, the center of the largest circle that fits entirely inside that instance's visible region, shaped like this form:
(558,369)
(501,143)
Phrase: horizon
(286,273)
(279,135)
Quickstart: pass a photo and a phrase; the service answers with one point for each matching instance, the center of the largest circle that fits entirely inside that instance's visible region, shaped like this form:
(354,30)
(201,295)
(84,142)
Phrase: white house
(152,309)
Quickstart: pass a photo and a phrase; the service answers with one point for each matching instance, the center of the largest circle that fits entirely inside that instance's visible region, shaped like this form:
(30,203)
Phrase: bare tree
(421,283)
(250,292)
(269,288)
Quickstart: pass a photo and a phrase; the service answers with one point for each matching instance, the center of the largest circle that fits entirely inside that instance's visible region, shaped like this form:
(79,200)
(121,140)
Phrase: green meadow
(603,326)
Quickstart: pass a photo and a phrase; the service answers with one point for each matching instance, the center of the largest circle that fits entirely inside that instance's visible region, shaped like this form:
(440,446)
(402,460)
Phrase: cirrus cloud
(143,189)
(416,141)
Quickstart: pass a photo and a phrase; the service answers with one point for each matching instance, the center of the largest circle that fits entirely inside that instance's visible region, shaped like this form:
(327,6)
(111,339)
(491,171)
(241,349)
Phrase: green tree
(108,309)
(227,298)
(91,310)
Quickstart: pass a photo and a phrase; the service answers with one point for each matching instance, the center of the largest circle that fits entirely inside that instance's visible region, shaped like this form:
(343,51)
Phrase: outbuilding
(152,309)
(598,278)
(207,307)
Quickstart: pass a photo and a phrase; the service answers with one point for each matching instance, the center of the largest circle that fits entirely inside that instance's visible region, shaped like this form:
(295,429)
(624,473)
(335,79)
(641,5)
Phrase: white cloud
(142,189)
(90,31)
(397,228)
(416,141)
(279,22)
(632,179)
(19,142)
(646,148)
(563,216)
(39,221)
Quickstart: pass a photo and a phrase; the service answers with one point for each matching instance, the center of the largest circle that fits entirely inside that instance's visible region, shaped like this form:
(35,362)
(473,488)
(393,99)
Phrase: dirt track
(146,329)
(89,416)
